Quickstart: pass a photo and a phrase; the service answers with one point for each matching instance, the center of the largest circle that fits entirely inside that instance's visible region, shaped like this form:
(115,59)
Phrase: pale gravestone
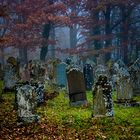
(88,76)
(123,82)
(76,87)
(26,104)
(102,98)
(61,74)
(135,76)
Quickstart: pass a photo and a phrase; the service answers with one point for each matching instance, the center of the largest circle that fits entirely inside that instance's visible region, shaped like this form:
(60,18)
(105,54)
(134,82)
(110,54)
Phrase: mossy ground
(60,121)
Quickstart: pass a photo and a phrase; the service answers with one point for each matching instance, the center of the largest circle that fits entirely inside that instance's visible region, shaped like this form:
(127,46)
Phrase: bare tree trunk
(23,55)
(73,36)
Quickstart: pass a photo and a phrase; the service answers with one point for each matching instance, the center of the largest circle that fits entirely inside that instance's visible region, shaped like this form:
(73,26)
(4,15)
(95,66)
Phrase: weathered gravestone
(135,76)
(61,74)
(123,83)
(102,98)
(76,87)
(100,70)
(26,103)
(40,93)
(88,76)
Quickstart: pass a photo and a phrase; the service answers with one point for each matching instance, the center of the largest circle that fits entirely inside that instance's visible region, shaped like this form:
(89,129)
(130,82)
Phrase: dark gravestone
(40,93)
(26,103)
(61,74)
(76,87)
(88,76)
(135,76)
(102,93)
(9,77)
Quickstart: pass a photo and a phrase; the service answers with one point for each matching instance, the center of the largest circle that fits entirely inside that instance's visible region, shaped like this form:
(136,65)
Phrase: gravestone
(100,70)
(61,74)
(76,87)
(25,73)
(88,76)
(135,76)
(102,98)
(40,93)
(123,82)
(9,77)
(26,103)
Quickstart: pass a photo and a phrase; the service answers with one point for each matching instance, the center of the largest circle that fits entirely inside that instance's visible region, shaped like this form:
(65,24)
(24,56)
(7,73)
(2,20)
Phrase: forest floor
(59,121)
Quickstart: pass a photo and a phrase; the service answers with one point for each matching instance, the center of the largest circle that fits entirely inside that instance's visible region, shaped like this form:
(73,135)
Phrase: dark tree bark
(45,34)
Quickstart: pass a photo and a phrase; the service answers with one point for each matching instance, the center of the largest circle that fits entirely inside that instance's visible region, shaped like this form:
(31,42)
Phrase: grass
(61,121)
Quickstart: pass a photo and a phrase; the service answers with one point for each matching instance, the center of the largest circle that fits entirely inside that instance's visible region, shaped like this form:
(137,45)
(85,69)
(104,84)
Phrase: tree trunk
(23,55)
(107,32)
(124,35)
(73,36)
(45,34)
(52,48)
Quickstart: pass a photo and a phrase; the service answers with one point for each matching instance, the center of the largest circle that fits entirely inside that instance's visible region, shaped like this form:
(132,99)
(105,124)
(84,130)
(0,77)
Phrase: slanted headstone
(102,98)
(88,76)
(135,76)
(123,83)
(61,74)
(26,104)
(76,87)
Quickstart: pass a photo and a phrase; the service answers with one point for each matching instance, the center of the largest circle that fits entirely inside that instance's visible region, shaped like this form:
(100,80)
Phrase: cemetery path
(61,122)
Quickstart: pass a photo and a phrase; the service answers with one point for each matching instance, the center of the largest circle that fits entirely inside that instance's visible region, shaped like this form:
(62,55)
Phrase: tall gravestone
(76,87)
(135,76)
(88,76)
(61,74)
(39,88)
(102,98)
(26,103)
(123,82)
(9,77)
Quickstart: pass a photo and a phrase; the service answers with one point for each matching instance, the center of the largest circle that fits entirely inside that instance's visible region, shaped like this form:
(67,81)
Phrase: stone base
(127,102)
(34,118)
(78,103)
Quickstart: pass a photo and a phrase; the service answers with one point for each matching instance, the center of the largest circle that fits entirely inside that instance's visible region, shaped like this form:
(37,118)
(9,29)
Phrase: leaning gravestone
(88,76)
(135,76)
(61,74)
(123,83)
(102,93)
(26,104)
(76,87)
